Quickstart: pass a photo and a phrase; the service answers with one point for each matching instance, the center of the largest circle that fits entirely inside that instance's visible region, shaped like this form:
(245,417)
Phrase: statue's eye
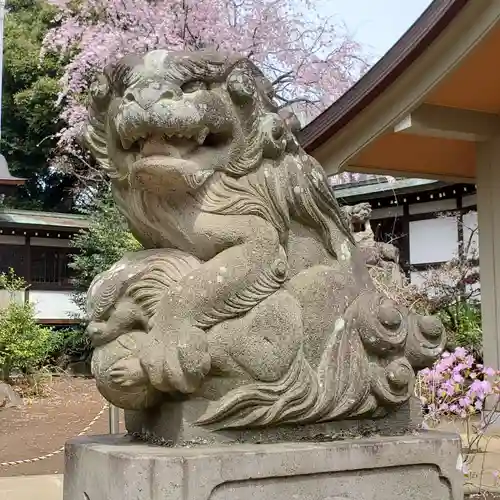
(194,85)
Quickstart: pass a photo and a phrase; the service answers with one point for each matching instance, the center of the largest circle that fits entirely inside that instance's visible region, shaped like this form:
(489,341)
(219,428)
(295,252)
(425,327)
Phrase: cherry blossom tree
(312,59)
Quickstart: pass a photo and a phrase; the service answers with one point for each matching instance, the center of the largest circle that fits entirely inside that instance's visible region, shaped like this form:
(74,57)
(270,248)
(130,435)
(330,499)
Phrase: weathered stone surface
(175,424)
(414,467)
(9,397)
(252,295)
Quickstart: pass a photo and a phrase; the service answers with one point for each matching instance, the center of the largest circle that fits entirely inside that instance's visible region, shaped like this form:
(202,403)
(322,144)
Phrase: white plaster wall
(418,278)
(53,304)
(6,297)
(471,234)
(433,240)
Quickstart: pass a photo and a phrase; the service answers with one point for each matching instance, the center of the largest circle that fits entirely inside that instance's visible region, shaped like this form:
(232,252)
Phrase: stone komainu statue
(382,258)
(251,299)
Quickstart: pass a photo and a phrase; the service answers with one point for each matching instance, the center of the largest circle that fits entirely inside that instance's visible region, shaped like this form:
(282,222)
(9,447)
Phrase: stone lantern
(8,183)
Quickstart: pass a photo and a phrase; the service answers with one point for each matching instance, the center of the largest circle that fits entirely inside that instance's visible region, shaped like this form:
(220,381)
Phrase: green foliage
(30,121)
(462,321)
(101,245)
(11,282)
(23,343)
(68,344)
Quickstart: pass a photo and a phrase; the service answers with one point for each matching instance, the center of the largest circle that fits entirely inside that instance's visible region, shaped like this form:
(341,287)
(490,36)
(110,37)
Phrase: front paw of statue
(426,340)
(122,380)
(128,373)
(177,358)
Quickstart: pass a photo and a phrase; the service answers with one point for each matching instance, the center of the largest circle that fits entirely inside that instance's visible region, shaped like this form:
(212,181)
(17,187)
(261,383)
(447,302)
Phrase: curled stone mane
(277,191)
(143,276)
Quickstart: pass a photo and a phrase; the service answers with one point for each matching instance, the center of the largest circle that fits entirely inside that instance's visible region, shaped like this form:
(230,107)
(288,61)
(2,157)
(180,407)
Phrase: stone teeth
(186,135)
(202,135)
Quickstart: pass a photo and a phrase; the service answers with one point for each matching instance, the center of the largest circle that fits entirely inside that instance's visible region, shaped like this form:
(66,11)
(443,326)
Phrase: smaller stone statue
(382,256)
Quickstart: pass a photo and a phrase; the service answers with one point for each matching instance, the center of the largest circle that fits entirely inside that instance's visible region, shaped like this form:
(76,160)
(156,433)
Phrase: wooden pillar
(27,268)
(488,208)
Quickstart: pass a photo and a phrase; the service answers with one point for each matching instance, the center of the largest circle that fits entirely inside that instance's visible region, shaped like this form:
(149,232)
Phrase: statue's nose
(151,94)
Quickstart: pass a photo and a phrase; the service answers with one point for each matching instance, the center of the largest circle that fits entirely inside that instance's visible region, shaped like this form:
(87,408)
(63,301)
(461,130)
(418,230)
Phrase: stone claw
(127,373)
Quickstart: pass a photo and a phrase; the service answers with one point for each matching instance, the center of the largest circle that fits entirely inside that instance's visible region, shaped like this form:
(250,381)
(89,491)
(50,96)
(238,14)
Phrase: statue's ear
(100,90)
(93,136)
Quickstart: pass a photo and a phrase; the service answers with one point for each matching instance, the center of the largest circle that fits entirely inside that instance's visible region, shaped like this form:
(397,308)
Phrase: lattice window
(13,257)
(50,266)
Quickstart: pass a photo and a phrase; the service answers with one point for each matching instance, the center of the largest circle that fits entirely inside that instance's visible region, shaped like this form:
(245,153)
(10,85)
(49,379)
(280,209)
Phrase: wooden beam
(450,123)
(59,321)
(447,177)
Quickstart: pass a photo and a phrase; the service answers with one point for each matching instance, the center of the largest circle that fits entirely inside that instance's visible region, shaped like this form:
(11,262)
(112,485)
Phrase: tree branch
(289,102)
(285,76)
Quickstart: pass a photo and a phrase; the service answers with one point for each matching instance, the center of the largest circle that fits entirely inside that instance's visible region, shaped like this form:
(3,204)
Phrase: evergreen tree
(30,115)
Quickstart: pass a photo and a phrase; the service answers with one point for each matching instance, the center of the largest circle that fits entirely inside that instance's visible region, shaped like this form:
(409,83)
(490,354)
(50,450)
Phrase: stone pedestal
(418,467)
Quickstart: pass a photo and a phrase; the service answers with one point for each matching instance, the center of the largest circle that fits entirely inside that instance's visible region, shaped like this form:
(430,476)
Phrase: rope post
(114,419)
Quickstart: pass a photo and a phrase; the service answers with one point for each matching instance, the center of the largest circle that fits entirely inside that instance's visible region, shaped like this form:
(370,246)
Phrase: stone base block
(416,467)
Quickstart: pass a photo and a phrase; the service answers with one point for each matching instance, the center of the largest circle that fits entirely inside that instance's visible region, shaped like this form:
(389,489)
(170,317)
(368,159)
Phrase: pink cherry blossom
(312,58)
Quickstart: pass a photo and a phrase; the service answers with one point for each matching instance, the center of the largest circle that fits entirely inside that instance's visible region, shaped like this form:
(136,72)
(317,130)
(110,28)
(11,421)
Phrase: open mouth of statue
(167,162)
(188,146)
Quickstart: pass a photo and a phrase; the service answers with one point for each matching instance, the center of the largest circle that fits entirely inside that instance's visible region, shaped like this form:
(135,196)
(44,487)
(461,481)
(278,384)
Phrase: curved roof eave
(435,19)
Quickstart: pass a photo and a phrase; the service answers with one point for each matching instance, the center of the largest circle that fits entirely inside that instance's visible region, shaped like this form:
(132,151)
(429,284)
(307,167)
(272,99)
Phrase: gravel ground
(44,424)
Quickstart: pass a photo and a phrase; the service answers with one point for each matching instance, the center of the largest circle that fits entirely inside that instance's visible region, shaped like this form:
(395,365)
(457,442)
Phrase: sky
(377,24)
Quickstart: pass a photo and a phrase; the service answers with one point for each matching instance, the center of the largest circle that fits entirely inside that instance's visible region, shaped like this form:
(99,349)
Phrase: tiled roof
(42,219)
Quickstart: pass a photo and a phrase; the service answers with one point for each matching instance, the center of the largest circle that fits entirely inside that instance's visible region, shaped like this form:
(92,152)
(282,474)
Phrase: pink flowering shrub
(456,386)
